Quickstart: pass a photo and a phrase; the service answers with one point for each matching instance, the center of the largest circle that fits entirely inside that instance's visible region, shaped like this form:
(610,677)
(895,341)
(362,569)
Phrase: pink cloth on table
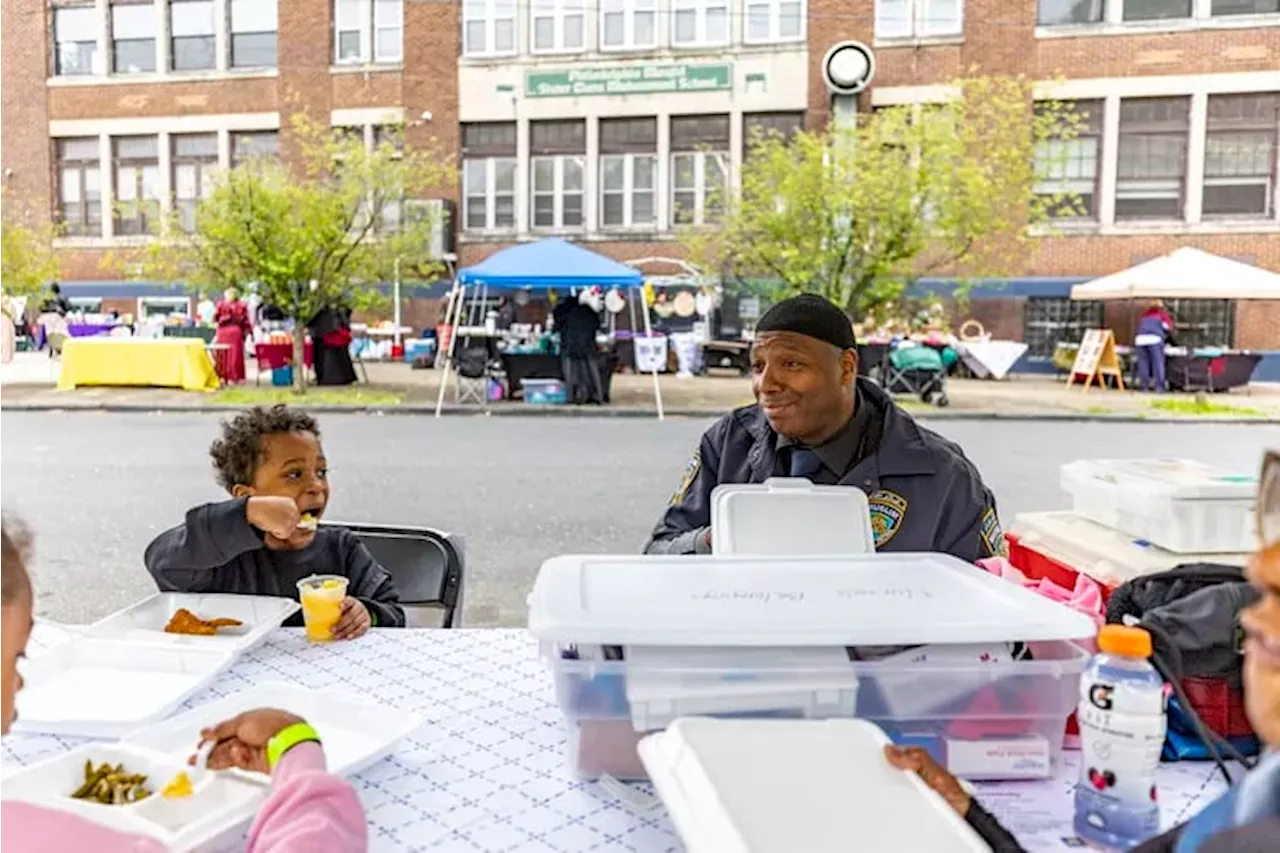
(308,811)
(1085,598)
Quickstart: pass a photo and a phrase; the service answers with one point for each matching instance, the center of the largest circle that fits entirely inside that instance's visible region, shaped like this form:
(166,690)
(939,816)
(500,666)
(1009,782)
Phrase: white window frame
(180,305)
(559,11)
(244,29)
(558,191)
(918,18)
(90,14)
(629,10)
(370,22)
(491,194)
(701,9)
(487,12)
(774,8)
(699,185)
(628,192)
(1193,16)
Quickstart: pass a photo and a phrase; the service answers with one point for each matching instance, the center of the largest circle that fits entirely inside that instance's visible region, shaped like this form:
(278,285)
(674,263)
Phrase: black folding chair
(426,565)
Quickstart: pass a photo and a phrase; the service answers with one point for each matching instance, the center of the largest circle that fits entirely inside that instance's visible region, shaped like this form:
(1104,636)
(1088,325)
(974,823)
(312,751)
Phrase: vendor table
(532,365)
(487,772)
(164,362)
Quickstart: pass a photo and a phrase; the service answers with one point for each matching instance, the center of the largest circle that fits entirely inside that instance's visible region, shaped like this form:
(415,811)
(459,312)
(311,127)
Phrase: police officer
(815,418)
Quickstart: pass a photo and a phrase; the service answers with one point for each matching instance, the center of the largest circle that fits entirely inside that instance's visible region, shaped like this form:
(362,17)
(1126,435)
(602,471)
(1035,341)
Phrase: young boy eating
(265,539)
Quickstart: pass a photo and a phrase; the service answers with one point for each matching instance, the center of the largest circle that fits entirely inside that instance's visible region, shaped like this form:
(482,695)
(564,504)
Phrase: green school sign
(628,80)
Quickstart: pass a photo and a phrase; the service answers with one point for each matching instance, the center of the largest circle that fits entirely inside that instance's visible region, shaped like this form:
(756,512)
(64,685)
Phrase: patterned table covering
(488,772)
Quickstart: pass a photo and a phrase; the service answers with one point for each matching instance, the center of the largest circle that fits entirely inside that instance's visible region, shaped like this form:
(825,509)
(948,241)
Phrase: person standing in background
(205,309)
(232,319)
(331,342)
(1155,329)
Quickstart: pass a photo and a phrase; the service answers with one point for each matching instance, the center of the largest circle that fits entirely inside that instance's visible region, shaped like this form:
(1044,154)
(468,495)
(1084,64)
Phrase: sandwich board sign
(1097,359)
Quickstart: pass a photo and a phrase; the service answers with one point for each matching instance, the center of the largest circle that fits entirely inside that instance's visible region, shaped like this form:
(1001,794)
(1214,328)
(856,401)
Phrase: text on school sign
(628,80)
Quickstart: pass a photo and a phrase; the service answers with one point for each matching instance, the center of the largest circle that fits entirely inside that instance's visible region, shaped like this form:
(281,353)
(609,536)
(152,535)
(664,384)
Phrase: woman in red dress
(232,319)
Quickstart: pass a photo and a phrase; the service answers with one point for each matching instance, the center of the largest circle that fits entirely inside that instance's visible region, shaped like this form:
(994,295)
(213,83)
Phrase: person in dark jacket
(1246,819)
(272,464)
(815,418)
(55,302)
(331,345)
(577,321)
(1155,329)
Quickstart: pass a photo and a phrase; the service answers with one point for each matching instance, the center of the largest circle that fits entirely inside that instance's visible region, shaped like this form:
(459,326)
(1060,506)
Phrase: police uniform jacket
(924,495)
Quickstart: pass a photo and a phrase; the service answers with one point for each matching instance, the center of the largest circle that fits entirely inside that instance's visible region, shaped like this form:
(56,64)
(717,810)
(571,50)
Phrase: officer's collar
(902,451)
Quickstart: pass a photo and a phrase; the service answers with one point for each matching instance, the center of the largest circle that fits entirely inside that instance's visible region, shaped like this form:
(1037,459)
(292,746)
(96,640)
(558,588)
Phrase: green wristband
(286,739)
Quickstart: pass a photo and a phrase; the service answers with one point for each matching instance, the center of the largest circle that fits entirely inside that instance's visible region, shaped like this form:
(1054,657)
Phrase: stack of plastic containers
(1133,517)
(936,652)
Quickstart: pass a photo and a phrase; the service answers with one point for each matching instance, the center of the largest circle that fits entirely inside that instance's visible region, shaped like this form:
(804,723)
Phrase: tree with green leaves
(856,212)
(28,264)
(322,231)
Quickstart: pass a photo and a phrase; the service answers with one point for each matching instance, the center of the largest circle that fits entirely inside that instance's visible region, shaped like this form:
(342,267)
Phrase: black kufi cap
(811,315)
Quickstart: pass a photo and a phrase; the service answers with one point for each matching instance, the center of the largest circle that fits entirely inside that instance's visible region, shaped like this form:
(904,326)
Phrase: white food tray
(356,733)
(105,688)
(774,786)
(144,622)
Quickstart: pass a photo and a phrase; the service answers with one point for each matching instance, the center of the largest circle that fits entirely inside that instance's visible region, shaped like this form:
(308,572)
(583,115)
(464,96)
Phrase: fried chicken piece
(186,622)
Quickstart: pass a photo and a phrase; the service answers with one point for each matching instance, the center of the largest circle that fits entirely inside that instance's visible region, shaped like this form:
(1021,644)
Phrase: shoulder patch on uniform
(888,510)
(690,474)
(992,535)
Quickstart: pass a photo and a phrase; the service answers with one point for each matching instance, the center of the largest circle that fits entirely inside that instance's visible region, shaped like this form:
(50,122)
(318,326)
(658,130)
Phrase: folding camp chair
(426,565)
(473,376)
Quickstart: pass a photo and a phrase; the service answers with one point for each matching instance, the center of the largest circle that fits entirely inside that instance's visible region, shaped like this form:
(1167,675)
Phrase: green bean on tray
(111,786)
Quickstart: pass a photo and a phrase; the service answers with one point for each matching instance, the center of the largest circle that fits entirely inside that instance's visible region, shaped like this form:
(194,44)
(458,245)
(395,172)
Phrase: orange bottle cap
(1124,640)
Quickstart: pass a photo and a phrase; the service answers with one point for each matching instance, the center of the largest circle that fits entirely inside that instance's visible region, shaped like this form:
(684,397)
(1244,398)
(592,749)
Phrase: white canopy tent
(1185,273)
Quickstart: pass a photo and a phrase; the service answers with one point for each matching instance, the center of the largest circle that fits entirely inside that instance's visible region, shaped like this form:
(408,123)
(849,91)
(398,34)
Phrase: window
(79,187)
(256,144)
(699,22)
(557,161)
(1156,10)
(253,33)
(489,27)
(1202,322)
(195,159)
(390,214)
(774,20)
(1244,7)
(759,126)
(1051,13)
(628,24)
(133,37)
(628,172)
(368,27)
(1050,319)
(191,32)
(1152,157)
(489,176)
(699,168)
(1240,155)
(75,35)
(1067,169)
(137,184)
(557,25)
(919,18)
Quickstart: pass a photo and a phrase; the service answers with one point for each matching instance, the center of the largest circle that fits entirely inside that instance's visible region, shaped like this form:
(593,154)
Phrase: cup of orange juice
(321,597)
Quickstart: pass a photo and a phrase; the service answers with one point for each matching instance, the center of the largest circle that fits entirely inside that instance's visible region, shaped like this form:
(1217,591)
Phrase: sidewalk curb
(570,412)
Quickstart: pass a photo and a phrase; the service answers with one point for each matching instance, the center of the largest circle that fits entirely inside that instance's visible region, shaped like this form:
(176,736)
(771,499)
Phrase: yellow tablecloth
(168,363)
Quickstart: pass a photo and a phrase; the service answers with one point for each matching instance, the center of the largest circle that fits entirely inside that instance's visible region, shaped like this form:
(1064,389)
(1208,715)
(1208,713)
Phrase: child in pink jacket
(308,809)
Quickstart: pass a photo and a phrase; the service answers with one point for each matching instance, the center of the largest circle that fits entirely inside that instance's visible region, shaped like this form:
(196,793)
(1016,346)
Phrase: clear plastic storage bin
(1178,504)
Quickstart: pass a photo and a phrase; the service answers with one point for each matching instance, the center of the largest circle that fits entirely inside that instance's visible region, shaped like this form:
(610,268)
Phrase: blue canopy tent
(547,265)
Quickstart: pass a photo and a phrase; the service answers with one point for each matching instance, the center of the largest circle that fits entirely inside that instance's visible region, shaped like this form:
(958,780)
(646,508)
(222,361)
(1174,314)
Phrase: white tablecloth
(488,773)
(991,359)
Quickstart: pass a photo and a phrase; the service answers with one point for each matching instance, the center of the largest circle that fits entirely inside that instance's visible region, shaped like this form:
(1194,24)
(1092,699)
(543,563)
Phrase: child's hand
(275,516)
(354,622)
(242,741)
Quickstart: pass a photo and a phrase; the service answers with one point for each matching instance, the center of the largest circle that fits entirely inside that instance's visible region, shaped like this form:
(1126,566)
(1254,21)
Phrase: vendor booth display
(163,363)
(576,279)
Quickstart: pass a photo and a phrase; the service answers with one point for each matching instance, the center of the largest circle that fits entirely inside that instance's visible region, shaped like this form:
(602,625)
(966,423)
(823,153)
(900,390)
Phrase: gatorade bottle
(1122,725)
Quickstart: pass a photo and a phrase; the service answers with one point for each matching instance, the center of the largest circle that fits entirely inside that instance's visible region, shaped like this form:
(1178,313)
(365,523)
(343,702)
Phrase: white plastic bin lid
(777,786)
(1099,552)
(785,516)
(1176,479)
(866,600)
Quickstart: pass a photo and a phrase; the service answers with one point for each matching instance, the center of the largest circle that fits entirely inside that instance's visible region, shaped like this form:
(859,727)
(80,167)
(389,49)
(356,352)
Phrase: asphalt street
(96,487)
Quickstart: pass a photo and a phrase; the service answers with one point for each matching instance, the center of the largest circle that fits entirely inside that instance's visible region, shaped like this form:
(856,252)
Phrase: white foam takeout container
(144,621)
(777,786)
(356,732)
(91,687)
(814,520)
